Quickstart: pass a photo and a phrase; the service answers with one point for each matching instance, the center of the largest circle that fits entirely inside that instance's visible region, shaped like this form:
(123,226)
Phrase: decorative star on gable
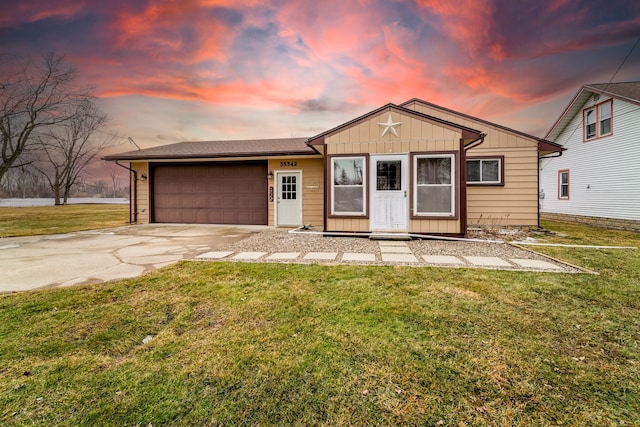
(390,125)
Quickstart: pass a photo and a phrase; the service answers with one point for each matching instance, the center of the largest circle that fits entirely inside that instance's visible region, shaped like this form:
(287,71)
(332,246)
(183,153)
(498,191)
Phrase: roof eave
(126,157)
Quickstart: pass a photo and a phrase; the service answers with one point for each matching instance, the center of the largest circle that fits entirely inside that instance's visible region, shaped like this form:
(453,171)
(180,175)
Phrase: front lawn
(266,344)
(40,220)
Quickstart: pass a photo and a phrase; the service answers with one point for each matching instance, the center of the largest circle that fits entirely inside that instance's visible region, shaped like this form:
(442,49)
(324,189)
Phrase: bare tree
(33,95)
(67,148)
(115,181)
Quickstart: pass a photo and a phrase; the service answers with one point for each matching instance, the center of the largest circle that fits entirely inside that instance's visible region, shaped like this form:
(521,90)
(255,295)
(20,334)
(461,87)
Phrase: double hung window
(434,181)
(348,192)
(563,184)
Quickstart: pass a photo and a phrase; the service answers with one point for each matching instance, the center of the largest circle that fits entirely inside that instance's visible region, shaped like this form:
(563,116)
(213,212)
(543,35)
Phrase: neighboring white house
(599,173)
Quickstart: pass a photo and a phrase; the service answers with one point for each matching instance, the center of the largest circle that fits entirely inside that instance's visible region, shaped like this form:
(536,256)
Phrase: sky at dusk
(169,71)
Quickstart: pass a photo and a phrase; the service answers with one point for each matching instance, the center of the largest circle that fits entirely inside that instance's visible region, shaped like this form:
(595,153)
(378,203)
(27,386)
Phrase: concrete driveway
(101,255)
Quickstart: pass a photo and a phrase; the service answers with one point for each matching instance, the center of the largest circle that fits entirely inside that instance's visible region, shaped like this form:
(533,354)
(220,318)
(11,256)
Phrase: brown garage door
(223,193)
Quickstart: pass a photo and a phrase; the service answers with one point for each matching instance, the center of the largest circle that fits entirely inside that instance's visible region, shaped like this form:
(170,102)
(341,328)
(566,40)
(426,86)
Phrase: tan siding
(142,197)
(516,203)
(312,188)
(348,224)
(365,137)
(434,226)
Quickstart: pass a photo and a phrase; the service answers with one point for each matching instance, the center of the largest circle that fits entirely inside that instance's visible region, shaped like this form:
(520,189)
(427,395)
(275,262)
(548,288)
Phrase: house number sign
(289,164)
(271,194)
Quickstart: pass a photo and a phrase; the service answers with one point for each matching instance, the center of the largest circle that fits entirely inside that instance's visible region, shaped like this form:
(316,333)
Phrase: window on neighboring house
(434,180)
(348,186)
(563,184)
(597,120)
(604,118)
(590,123)
(484,171)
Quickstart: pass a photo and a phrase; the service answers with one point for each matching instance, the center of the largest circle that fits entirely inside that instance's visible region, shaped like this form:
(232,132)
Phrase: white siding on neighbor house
(604,173)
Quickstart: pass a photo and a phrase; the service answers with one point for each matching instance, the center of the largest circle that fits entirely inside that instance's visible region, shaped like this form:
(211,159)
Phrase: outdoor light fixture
(143,177)
(270,175)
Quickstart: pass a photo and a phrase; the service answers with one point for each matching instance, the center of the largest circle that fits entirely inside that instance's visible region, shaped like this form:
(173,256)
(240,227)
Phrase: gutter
(551,156)
(133,200)
(475,143)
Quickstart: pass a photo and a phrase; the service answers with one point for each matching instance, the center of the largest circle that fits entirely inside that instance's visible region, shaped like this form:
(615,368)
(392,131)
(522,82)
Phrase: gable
(375,129)
(392,123)
(628,92)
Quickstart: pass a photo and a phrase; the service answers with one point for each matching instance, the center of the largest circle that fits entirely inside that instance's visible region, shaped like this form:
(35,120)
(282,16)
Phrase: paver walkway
(391,252)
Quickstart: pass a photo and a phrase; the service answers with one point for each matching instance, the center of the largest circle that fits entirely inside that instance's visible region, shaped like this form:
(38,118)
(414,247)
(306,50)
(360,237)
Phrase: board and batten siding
(312,187)
(604,173)
(515,203)
(142,197)
(414,136)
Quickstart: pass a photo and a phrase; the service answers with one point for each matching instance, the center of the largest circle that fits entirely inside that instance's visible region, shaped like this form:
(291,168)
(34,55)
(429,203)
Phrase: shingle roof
(627,91)
(544,146)
(209,149)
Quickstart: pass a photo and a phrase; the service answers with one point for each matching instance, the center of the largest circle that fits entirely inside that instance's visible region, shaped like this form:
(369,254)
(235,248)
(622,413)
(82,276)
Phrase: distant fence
(617,224)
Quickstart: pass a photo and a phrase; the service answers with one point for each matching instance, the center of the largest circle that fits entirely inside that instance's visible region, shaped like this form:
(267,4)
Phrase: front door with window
(389,201)
(289,200)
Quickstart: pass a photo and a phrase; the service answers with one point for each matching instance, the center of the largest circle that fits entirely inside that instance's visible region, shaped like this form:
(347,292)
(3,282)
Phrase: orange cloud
(465,22)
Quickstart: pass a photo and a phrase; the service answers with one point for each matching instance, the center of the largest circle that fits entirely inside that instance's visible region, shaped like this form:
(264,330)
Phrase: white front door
(288,198)
(389,201)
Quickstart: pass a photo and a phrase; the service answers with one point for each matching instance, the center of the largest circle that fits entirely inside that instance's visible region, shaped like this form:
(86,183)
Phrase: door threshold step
(390,236)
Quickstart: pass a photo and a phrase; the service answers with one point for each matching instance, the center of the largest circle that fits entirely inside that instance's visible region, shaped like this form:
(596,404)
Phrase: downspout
(133,195)
(548,156)
(463,177)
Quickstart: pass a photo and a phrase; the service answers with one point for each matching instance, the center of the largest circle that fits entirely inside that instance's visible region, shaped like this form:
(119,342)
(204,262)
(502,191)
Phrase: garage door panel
(214,193)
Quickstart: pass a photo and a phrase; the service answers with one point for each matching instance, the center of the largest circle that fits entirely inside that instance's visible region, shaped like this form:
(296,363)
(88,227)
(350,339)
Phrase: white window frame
(601,119)
(487,159)
(363,213)
(452,184)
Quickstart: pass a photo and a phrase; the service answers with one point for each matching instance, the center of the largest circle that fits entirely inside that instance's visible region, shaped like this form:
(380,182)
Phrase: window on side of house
(604,118)
(597,120)
(434,180)
(348,195)
(563,184)
(590,123)
(484,171)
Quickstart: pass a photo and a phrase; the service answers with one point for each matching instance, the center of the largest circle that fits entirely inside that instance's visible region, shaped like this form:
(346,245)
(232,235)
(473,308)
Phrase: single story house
(598,178)
(413,168)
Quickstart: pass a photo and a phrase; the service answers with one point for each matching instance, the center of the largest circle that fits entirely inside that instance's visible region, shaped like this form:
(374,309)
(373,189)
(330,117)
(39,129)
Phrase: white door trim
(278,193)
(389,208)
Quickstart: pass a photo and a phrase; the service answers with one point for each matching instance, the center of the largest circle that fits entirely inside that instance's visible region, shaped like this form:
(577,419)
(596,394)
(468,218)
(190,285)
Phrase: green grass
(32,221)
(265,344)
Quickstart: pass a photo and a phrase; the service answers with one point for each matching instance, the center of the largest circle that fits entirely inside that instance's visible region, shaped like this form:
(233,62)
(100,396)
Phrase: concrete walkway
(101,255)
(391,252)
